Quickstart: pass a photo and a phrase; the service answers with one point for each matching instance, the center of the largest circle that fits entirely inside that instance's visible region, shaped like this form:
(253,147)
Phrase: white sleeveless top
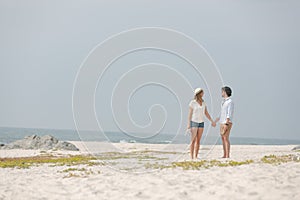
(198,111)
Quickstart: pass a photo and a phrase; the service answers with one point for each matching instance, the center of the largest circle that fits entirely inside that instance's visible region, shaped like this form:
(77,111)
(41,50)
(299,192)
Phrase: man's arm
(229,114)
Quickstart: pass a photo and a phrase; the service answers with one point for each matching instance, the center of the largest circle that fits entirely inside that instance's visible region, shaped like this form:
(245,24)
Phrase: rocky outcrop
(46,142)
(296,148)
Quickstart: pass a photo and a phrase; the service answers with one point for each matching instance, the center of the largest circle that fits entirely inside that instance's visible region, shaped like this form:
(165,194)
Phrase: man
(225,119)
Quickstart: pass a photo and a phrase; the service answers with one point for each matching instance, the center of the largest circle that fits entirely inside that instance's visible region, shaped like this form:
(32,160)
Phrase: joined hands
(213,124)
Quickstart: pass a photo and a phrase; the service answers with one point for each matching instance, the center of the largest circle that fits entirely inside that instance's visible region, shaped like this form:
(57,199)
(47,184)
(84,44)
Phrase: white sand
(253,181)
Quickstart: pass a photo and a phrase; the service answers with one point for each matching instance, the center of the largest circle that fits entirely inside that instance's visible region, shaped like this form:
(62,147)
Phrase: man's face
(223,94)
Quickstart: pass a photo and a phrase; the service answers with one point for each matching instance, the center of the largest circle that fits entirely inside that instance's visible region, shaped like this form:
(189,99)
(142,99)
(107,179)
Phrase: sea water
(8,134)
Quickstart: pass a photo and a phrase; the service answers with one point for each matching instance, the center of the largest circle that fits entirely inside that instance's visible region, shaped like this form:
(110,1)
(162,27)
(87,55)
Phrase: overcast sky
(255,44)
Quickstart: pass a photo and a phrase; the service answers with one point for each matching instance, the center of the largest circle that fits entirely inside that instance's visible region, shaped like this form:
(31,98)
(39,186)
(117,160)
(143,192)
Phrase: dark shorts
(196,124)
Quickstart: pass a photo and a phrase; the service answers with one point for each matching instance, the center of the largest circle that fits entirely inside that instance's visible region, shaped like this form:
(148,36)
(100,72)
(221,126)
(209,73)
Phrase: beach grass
(194,165)
(140,155)
(147,159)
(73,169)
(26,162)
(275,160)
(79,172)
(197,165)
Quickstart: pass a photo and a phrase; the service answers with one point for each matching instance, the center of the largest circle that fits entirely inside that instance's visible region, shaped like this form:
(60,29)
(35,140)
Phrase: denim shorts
(197,125)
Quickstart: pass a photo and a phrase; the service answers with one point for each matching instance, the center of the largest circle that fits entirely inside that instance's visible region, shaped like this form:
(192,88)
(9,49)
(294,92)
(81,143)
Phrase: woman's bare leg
(193,139)
(198,138)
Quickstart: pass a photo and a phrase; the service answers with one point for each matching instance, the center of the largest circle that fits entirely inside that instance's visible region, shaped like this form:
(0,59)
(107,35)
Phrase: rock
(66,146)
(296,158)
(45,142)
(31,137)
(1,145)
(48,142)
(296,148)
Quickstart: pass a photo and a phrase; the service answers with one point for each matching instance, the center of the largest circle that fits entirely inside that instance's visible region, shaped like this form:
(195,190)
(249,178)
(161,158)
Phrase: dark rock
(66,146)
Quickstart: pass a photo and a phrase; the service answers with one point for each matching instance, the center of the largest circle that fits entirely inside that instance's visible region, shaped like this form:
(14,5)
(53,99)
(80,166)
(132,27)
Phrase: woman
(197,110)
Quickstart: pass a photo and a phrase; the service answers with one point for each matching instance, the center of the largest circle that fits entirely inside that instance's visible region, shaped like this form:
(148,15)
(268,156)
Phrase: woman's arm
(209,117)
(190,117)
(217,119)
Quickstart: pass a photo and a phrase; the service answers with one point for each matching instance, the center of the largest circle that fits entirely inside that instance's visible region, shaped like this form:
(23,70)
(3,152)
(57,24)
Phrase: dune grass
(196,165)
(276,160)
(205,164)
(147,159)
(140,155)
(78,172)
(27,162)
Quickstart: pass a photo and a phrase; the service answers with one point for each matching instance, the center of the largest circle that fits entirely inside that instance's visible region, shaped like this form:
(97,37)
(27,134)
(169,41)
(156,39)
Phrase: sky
(255,45)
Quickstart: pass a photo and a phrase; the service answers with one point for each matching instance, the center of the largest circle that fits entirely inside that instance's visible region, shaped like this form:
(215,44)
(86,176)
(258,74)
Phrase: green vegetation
(192,165)
(144,159)
(157,166)
(140,155)
(128,168)
(276,160)
(204,164)
(80,172)
(26,162)
(147,157)
(74,169)
(196,165)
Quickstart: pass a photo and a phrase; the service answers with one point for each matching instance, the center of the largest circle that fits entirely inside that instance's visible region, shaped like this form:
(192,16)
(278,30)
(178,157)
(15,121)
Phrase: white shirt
(227,109)
(198,111)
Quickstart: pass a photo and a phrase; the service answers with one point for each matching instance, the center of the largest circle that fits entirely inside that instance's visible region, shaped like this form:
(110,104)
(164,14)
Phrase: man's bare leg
(226,141)
(223,140)
(224,147)
(227,146)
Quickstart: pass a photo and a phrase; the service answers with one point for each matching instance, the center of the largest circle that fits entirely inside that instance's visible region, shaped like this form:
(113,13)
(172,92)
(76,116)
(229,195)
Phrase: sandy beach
(154,171)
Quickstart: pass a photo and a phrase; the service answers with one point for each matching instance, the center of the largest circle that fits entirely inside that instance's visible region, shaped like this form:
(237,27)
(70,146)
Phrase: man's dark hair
(227,90)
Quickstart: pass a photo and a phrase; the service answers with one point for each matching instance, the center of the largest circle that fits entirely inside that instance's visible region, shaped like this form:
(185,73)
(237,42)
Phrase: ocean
(8,134)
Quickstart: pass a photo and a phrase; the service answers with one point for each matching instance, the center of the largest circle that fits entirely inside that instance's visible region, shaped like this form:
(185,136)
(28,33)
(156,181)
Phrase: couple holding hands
(197,111)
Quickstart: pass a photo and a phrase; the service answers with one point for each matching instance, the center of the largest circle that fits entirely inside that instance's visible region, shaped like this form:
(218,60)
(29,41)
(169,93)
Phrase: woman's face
(201,94)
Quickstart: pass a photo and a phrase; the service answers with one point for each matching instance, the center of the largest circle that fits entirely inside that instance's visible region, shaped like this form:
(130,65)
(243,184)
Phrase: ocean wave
(127,141)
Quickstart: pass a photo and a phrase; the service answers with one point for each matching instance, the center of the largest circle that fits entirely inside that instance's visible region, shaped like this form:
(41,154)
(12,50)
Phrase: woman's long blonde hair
(198,97)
